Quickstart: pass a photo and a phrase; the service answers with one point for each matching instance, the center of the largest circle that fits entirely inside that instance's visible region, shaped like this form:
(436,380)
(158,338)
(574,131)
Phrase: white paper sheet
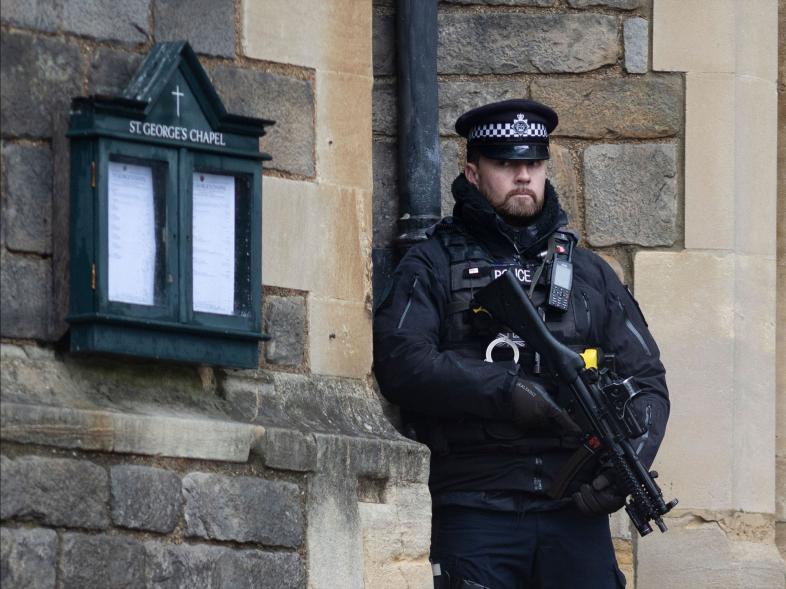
(132,244)
(214,243)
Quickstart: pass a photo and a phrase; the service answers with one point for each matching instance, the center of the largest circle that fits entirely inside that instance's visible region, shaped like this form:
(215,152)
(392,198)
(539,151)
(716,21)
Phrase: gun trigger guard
(501,341)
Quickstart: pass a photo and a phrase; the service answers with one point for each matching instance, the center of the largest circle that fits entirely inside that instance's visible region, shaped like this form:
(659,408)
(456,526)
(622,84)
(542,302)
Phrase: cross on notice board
(177,94)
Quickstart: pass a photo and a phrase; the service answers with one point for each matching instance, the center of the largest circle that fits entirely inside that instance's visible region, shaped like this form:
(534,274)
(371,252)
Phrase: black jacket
(444,387)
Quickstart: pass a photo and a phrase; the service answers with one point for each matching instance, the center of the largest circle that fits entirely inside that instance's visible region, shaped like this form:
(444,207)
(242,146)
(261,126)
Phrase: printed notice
(132,244)
(214,243)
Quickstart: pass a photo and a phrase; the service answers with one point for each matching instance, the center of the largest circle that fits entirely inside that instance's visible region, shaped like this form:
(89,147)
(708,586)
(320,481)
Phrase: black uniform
(488,477)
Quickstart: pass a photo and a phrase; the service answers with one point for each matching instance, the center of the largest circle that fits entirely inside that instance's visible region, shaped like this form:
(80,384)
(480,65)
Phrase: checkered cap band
(507,130)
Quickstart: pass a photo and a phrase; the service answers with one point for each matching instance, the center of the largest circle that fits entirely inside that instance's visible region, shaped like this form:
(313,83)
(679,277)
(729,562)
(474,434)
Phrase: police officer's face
(515,188)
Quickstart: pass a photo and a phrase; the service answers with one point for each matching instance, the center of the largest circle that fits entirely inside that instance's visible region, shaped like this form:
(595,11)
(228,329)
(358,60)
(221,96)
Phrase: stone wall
(146,474)
(780,486)
(617,152)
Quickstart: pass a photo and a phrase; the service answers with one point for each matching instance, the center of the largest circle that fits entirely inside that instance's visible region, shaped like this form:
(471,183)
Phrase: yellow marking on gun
(590,357)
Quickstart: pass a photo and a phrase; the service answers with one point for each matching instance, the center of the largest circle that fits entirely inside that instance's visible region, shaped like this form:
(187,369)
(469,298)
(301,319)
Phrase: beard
(519,211)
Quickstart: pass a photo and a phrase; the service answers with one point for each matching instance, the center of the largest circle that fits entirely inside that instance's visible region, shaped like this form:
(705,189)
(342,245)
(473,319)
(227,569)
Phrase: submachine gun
(605,406)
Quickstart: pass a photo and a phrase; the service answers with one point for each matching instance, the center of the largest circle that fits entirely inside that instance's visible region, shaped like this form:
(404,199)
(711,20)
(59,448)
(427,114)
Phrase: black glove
(600,497)
(533,408)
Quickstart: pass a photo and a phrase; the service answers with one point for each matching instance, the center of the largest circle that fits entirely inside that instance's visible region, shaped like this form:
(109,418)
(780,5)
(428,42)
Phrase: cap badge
(520,125)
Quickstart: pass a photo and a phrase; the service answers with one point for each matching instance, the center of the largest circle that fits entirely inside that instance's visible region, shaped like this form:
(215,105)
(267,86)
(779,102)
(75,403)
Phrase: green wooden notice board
(166,217)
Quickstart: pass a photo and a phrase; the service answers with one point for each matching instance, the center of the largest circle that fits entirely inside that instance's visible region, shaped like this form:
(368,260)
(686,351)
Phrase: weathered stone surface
(542,44)
(107,20)
(384,44)
(458,96)
(385,200)
(145,498)
(114,560)
(27,187)
(243,509)
(28,558)
(55,491)
(186,566)
(638,107)
(42,15)
(287,101)
(38,76)
(24,296)
(256,569)
(450,167)
(621,4)
(285,320)
(396,538)
(208,25)
(111,70)
(563,176)
(505,2)
(631,194)
(637,44)
(287,449)
(384,116)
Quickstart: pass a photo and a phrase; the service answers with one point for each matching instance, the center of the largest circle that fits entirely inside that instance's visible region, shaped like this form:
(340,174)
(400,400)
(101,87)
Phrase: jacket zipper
(587,307)
(409,303)
(647,423)
(632,328)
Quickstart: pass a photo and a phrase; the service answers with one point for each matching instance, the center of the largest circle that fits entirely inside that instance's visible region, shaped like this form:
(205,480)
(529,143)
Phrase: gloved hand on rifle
(600,497)
(533,408)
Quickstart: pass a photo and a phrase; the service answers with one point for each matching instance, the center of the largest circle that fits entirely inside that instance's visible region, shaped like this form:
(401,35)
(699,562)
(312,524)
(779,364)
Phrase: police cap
(509,130)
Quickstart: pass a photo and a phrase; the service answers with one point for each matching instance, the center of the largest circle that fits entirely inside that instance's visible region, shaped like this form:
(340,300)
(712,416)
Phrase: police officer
(499,429)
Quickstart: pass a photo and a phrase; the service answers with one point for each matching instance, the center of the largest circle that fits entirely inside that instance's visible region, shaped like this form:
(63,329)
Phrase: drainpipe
(418,120)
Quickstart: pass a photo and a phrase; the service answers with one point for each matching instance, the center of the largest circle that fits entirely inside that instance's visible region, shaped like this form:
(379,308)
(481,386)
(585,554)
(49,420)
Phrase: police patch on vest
(524,275)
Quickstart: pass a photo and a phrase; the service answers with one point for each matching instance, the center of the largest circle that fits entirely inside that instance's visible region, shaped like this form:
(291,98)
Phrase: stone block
(173,566)
(208,25)
(27,188)
(38,77)
(25,296)
(289,213)
(542,3)
(699,554)
(709,147)
(756,172)
(708,391)
(255,569)
(562,174)
(631,194)
(28,558)
(338,34)
(754,383)
(687,37)
(384,115)
(620,4)
(637,108)
(385,198)
(41,15)
(115,560)
(637,43)
(339,337)
(384,44)
(450,166)
(55,491)
(542,44)
(344,134)
(111,70)
(458,96)
(145,498)
(285,321)
(287,449)
(243,509)
(287,101)
(107,20)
